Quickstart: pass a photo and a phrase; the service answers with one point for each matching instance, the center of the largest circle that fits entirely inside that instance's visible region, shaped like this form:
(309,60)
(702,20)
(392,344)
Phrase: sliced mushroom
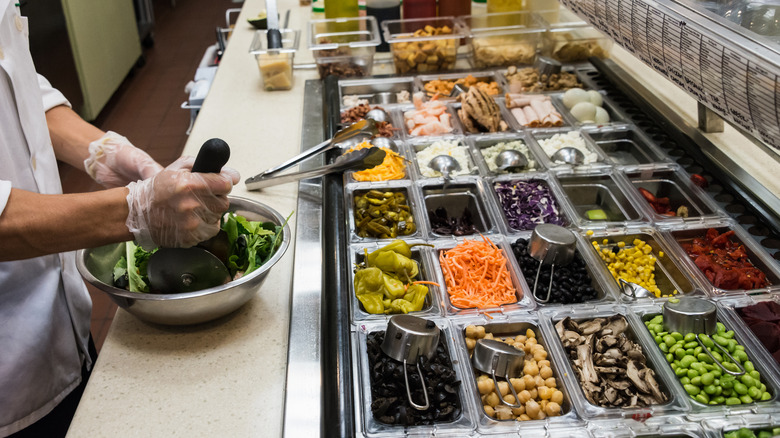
(592,326)
(649,377)
(632,372)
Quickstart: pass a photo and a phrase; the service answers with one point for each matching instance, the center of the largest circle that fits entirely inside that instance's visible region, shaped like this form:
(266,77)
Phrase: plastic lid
(333,33)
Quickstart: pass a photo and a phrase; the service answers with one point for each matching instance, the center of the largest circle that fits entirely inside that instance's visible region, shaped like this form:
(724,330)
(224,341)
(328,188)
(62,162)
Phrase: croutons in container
(344,47)
(276,65)
(424,44)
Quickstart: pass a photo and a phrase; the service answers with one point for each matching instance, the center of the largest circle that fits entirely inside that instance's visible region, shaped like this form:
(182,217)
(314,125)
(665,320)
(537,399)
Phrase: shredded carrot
(432,283)
(393,166)
(477,275)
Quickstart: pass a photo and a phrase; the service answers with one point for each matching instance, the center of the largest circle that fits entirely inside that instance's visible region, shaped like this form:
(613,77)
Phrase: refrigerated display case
(645,146)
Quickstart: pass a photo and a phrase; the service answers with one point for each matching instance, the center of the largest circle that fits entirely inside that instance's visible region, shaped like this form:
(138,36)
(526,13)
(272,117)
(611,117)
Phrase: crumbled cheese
(492,152)
(570,139)
(353,100)
(452,148)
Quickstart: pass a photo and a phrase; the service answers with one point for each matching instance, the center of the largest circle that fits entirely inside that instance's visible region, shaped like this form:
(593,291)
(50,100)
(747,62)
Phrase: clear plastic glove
(178,208)
(114,161)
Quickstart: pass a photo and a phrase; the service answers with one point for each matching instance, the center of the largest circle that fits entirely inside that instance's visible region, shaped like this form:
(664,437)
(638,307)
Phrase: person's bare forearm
(70,135)
(33,224)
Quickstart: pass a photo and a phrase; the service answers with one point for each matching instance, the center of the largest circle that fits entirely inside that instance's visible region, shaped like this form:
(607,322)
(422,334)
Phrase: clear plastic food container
(365,351)
(276,65)
(504,39)
(554,401)
(424,44)
(344,47)
(575,43)
(569,326)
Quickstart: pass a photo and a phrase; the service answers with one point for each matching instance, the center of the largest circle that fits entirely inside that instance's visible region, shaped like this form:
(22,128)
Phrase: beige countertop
(226,378)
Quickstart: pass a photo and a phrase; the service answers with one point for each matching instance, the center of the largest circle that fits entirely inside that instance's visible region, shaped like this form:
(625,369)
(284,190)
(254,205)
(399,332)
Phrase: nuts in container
(431,47)
(529,79)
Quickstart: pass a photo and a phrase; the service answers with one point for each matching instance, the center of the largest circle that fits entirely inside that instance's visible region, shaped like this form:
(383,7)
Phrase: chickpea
(531,341)
(552,409)
(544,392)
(503,412)
(550,382)
(480,331)
(532,408)
(519,345)
(543,363)
(541,415)
(530,382)
(518,411)
(471,343)
(492,399)
(510,399)
(485,385)
(523,396)
(489,411)
(539,381)
(471,331)
(519,384)
(530,368)
(521,339)
(523,417)
(557,397)
(540,355)
(503,387)
(534,393)
(488,336)
(546,372)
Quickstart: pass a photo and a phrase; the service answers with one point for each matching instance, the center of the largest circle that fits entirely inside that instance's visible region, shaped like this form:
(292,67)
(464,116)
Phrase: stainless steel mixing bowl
(96,266)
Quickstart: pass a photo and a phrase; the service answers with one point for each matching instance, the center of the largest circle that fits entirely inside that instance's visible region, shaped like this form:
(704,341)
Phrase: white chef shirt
(44,305)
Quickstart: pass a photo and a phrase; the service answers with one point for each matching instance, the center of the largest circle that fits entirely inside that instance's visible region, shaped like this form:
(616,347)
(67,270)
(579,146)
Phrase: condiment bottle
(341,9)
(318,9)
(504,5)
(383,10)
(454,7)
(419,8)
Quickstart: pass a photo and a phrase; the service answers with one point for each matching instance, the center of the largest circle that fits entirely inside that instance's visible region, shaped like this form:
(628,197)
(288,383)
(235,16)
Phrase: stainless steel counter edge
(304,381)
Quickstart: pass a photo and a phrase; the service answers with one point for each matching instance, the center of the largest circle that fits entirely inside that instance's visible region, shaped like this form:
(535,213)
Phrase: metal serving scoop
(633,290)
(697,316)
(178,270)
(499,358)
(445,165)
(360,159)
(551,244)
(384,142)
(362,129)
(569,155)
(408,339)
(509,159)
(458,89)
(378,115)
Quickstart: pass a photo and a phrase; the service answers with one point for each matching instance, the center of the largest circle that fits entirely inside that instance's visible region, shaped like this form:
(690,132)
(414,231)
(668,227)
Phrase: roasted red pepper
(660,205)
(724,262)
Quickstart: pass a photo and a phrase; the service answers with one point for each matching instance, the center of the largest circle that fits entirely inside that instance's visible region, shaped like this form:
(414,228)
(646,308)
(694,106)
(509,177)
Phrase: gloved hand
(178,208)
(114,161)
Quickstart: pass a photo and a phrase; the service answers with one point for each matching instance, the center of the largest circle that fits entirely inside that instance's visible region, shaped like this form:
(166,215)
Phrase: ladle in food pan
(510,159)
(568,155)
(360,159)
(362,129)
(499,358)
(408,339)
(177,270)
(694,315)
(633,290)
(551,244)
(445,165)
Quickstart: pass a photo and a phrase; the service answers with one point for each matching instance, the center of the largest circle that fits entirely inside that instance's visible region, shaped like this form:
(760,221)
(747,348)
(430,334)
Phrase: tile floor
(146,107)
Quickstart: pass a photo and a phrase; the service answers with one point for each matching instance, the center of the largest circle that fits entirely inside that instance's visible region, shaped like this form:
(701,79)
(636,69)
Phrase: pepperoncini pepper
(385,282)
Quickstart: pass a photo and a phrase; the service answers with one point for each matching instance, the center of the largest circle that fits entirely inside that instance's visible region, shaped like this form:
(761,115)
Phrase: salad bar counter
(581,345)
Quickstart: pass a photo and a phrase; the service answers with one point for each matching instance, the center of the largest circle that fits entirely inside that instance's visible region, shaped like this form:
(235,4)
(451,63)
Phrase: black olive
(122,282)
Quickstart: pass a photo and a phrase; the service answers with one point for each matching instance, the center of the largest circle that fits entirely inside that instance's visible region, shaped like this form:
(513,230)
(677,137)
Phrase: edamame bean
(685,380)
(747,380)
(698,367)
(710,389)
(690,337)
(702,398)
(707,379)
(748,366)
(729,334)
(754,393)
(740,388)
(733,401)
(746,399)
(677,336)
(696,381)
(680,353)
(669,340)
(686,361)
(766,396)
(723,342)
(692,373)
(669,357)
(681,371)
(704,358)
(754,374)
(706,340)
(691,390)
(693,344)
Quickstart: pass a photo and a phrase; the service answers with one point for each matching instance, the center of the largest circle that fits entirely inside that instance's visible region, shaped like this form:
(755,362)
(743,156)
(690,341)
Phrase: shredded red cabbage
(528,203)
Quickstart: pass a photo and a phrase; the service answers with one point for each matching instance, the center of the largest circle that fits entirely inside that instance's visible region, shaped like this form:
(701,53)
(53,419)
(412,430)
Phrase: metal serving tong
(361,159)
(494,357)
(362,129)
